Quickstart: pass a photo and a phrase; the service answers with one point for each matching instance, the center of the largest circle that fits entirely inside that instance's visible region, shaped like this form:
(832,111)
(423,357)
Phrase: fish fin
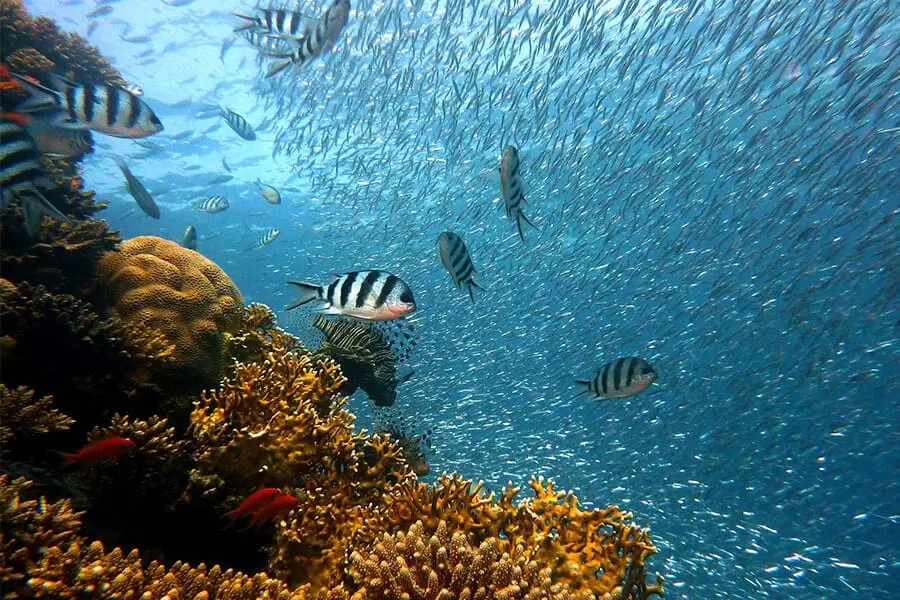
(584,387)
(35,206)
(60,83)
(308,293)
(330,310)
(69,458)
(20,119)
(40,97)
(399,335)
(250,24)
(63,121)
(278,67)
(473,284)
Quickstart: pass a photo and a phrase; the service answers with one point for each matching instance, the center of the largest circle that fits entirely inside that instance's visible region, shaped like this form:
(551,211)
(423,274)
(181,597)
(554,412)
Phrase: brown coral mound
(446,566)
(155,284)
(45,557)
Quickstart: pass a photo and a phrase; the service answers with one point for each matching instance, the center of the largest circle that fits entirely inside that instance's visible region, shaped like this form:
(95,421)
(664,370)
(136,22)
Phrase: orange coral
(447,566)
(156,284)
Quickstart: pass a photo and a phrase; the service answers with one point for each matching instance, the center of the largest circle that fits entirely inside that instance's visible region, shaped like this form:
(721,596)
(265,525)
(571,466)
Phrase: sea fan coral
(157,285)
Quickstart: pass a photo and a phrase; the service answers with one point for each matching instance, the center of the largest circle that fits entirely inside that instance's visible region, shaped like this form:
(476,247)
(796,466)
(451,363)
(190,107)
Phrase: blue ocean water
(714,186)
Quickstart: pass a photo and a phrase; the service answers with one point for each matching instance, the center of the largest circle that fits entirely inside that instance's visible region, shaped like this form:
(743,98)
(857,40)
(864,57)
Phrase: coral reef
(46,557)
(155,284)
(447,566)
(24,416)
(97,366)
(33,45)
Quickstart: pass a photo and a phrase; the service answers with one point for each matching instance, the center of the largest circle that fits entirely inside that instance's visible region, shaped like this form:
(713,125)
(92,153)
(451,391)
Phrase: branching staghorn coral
(447,566)
(46,557)
(258,336)
(21,415)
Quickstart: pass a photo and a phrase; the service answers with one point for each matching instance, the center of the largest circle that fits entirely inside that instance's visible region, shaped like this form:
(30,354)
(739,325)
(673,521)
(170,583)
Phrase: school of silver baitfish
(710,185)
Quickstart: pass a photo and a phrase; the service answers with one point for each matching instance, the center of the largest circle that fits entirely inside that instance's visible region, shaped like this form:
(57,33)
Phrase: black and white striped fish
(138,191)
(104,108)
(511,188)
(621,378)
(275,22)
(316,41)
(268,44)
(214,204)
(458,262)
(370,295)
(267,238)
(238,123)
(190,238)
(21,175)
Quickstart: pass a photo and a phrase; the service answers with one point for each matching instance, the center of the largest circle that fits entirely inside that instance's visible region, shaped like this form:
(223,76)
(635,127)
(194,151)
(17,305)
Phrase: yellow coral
(447,566)
(22,416)
(156,284)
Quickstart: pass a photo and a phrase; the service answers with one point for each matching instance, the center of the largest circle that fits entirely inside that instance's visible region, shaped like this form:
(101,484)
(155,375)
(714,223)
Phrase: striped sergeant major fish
(104,108)
(621,378)
(369,295)
(458,262)
(511,188)
(138,191)
(21,175)
(238,123)
(275,22)
(189,240)
(317,40)
(268,44)
(214,204)
(267,238)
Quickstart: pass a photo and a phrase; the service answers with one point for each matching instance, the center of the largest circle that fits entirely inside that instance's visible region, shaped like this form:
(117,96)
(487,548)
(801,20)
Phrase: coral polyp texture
(157,285)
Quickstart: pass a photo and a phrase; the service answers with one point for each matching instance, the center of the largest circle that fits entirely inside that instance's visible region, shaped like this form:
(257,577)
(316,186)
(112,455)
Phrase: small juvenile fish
(267,238)
(458,262)
(225,164)
(91,27)
(214,204)
(21,175)
(271,195)
(138,191)
(316,42)
(238,123)
(621,378)
(281,504)
(99,12)
(253,502)
(52,140)
(370,295)
(108,109)
(511,188)
(190,238)
(108,448)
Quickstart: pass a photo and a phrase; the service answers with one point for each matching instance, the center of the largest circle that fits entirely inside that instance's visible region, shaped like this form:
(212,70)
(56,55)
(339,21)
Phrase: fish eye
(406,297)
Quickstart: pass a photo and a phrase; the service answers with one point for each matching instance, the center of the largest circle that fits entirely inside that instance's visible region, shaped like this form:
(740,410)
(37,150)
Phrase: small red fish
(253,502)
(280,505)
(108,448)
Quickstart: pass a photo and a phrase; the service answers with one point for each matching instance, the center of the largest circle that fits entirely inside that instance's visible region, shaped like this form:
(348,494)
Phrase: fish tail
(40,97)
(584,387)
(521,214)
(519,227)
(36,206)
(308,293)
(278,67)
(250,24)
(68,458)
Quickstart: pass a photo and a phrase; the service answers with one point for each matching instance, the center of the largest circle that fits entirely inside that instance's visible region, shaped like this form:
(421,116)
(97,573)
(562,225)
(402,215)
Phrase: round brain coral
(156,284)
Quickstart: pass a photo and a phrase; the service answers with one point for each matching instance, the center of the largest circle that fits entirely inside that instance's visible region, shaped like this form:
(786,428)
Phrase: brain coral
(156,284)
